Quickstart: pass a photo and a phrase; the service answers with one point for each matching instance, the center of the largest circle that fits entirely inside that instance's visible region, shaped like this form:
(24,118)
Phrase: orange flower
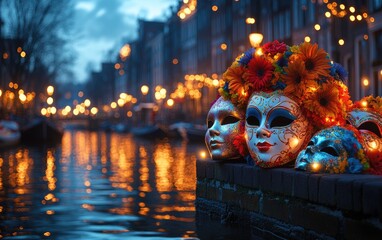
(315,59)
(234,77)
(324,104)
(296,79)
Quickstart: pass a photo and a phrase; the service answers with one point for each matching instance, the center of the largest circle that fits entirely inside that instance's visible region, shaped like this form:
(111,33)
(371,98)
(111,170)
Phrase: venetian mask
(223,122)
(370,126)
(332,150)
(276,130)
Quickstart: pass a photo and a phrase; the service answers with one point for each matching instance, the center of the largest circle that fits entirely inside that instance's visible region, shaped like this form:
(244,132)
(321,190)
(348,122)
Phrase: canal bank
(283,203)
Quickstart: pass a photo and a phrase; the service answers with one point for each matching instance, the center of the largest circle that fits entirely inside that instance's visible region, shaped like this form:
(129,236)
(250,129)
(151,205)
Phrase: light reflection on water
(98,186)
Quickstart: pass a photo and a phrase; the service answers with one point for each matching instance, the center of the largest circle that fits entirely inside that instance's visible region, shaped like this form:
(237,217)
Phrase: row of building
(200,40)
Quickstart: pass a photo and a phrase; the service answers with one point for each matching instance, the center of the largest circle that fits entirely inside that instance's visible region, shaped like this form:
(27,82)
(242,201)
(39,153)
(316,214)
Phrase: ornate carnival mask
(332,150)
(369,125)
(276,130)
(223,122)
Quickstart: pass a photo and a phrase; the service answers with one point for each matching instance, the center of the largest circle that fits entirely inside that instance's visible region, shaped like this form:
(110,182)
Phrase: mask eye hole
(371,127)
(280,121)
(209,123)
(229,120)
(330,150)
(253,117)
(253,121)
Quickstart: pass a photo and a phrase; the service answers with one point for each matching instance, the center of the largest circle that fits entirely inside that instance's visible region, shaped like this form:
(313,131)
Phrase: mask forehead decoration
(367,118)
(333,150)
(224,122)
(276,129)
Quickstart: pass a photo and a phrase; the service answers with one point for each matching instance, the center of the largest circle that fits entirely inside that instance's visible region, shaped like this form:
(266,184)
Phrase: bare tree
(34,40)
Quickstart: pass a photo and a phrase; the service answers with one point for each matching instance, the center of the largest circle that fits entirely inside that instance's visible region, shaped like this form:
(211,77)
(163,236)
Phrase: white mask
(223,121)
(276,130)
(369,124)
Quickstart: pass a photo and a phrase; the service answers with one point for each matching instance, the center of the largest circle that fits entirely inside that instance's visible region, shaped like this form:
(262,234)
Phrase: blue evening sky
(104,25)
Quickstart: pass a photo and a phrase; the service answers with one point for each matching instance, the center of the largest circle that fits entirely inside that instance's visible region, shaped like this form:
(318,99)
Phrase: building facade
(207,40)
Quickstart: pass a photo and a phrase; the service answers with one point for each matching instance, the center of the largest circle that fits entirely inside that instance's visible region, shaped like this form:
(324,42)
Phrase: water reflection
(98,185)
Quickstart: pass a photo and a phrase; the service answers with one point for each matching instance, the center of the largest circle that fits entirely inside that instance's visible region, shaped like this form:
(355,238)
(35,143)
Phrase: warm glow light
(214,8)
(315,166)
(170,102)
(307,39)
(352,9)
(50,90)
(23,54)
(1,92)
(43,111)
(129,114)
(80,93)
(364,15)
(5,55)
(187,11)
(341,42)
(53,110)
(371,19)
(223,46)
(175,61)
(144,89)
(364,104)
(328,14)
(203,154)
(113,105)
(352,18)
(49,100)
(94,110)
(22,97)
(250,21)
(342,6)
(359,17)
(124,52)
(259,51)
(294,142)
(87,102)
(366,37)
(373,145)
(255,39)
(365,82)
(117,66)
(182,15)
(317,27)
(215,82)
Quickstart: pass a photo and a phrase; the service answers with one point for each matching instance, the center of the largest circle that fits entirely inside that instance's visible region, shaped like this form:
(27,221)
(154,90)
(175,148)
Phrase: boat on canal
(9,133)
(149,132)
(188,131)
(41,130)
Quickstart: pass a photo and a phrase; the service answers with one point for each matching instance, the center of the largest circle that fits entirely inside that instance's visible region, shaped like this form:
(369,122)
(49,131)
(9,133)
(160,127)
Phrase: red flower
(259,73)
(239,141)
(274,47)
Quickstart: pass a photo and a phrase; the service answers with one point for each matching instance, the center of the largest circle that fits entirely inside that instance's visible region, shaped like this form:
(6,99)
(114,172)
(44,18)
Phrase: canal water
(97,185)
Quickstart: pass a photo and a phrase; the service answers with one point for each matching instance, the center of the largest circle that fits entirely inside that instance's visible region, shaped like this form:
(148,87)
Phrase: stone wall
(283,203)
